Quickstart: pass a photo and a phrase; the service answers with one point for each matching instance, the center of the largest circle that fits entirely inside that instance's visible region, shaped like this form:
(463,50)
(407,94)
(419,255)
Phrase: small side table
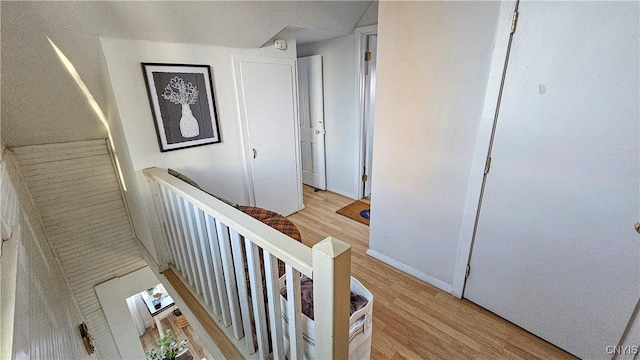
(159,311)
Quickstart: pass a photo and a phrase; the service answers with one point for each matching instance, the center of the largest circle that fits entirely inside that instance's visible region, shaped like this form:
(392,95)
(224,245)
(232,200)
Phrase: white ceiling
(42,104)
(241,24)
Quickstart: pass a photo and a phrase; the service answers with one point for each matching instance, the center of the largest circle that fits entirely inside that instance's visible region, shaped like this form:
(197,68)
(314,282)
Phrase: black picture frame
(182,103)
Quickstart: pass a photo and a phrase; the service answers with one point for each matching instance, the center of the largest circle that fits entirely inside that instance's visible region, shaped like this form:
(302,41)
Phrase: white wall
(41,103)
(218,168)
(340,111)
(433,66)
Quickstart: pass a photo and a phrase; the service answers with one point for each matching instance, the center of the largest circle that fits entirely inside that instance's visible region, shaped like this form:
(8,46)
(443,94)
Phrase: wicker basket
(360,326)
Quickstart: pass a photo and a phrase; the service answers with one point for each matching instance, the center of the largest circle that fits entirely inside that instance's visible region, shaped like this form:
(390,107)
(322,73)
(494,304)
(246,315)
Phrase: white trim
(296,115)
(483,139)
(410,270)
(246,151)
(361,43)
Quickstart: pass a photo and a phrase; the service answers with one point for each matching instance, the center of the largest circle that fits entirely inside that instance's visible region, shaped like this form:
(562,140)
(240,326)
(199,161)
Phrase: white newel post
(331,279)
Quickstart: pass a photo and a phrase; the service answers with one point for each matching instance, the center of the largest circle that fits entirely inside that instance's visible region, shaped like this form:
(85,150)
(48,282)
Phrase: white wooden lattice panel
(38,331)
(76,192)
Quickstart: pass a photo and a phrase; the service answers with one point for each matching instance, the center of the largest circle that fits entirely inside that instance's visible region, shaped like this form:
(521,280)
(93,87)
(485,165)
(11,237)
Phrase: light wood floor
(412,319)
(150,338)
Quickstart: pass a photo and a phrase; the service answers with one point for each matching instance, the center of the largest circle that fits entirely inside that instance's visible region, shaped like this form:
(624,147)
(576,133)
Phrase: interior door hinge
(367,56)
(487,165)
(466,274)
(514,22)
(364,177)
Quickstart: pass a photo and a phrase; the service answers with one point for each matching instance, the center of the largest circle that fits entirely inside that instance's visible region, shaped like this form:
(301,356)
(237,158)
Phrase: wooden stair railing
(212,248)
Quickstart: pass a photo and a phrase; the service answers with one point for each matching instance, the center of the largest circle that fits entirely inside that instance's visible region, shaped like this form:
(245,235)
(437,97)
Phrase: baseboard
(410,270)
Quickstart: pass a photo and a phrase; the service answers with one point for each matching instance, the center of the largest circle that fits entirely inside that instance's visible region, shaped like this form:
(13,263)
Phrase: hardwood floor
(412,319)
(150,338)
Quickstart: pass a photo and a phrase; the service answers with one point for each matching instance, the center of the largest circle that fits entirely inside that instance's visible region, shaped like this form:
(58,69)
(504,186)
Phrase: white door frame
(315,133)
(369,118)
(483,140)
(361,37)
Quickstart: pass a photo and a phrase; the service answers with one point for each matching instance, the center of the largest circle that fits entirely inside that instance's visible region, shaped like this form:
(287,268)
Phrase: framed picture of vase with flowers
(182,104)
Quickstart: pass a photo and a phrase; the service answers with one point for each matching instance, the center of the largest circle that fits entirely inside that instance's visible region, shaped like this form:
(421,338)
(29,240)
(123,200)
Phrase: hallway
(412,319)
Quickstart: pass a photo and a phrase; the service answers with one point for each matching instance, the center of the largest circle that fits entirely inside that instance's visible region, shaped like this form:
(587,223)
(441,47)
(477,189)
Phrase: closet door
(556,251)
(268,107)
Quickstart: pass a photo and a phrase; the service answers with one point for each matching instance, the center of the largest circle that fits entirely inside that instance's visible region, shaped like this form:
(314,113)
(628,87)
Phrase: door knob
(638,228)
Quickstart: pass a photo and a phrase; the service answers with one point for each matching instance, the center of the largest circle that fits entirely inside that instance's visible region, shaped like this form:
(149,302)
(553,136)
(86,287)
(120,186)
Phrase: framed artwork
(182,104)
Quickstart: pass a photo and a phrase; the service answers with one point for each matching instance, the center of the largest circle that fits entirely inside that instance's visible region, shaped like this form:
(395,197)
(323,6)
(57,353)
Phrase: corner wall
(433,66)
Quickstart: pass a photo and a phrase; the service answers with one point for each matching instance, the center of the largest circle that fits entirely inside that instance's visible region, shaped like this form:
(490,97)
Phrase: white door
(267,96)
(555,250)
(312,121)
(369,105)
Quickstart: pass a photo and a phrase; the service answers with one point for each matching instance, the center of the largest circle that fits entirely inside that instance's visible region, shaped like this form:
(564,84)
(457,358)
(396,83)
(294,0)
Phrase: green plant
(167,348)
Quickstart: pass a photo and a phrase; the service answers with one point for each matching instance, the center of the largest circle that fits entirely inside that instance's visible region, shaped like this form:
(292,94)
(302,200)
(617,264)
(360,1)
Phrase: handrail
(215,247)
(279,245)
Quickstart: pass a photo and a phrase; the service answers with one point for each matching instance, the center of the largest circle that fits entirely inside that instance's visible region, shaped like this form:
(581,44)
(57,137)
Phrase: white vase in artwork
(188,124)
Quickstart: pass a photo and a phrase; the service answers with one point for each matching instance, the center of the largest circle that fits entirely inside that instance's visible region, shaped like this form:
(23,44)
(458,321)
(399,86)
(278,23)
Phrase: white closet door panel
(268,104)
(556,251)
